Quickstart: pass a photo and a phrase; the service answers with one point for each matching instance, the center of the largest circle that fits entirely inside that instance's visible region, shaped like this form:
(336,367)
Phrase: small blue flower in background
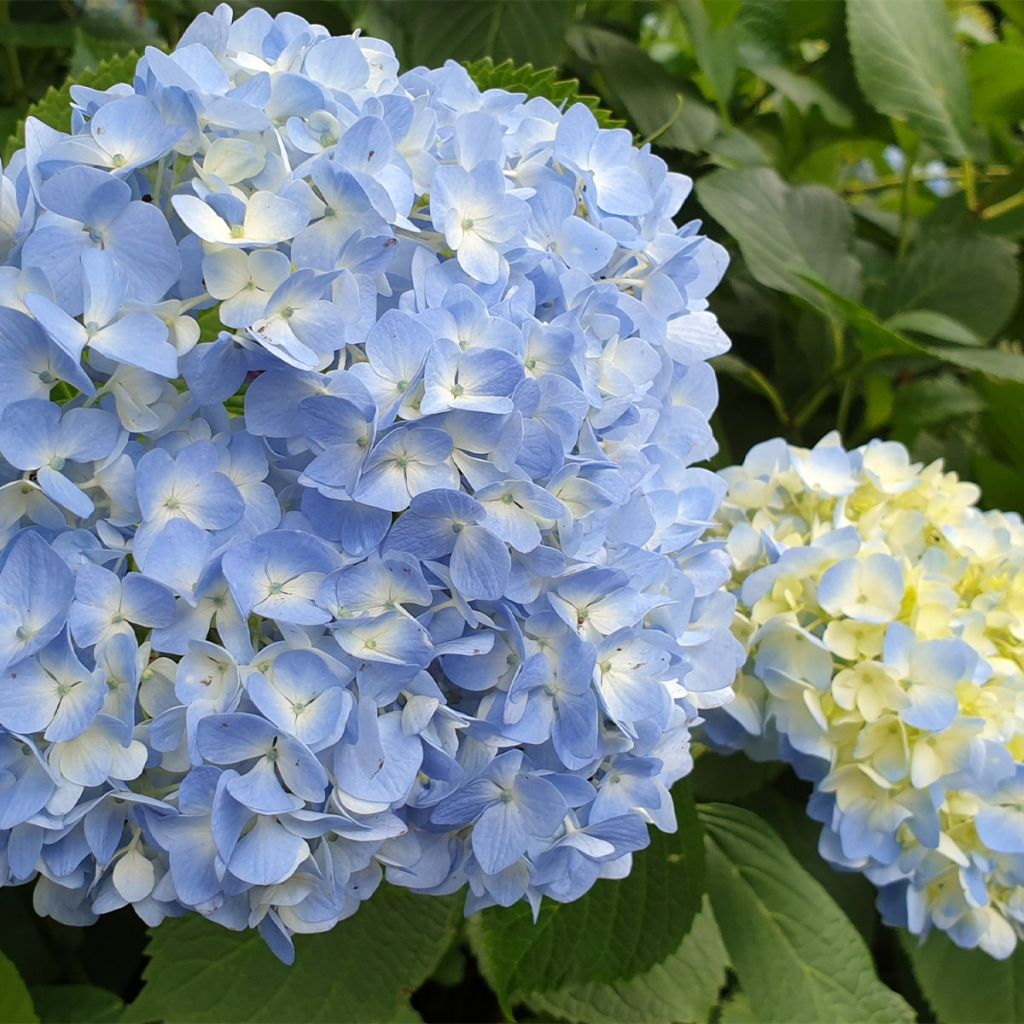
(394,567)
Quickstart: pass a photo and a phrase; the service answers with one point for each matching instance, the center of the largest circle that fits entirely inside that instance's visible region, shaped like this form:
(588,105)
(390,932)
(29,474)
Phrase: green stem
(1003,206)
(971,185)
(845,401)
(905,191)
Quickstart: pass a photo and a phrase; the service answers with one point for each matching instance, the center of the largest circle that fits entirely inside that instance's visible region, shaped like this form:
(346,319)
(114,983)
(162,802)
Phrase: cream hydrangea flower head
(883,613)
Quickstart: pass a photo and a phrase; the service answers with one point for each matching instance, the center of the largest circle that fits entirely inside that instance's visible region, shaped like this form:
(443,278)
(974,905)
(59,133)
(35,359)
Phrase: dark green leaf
(719,778)
(683,987)
(76,1004)
(1001,485)
(518,30)
(969,277)
(797,956)
(640,87)
(908,67)
(619,930)
(785,233)
(15,1002)
(966,986)
(362,970)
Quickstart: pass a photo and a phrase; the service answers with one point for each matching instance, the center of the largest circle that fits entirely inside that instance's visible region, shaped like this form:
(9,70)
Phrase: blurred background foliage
(862,161)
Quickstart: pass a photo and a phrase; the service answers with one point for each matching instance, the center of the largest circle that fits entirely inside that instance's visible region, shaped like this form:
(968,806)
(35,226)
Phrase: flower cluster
(885,620)
(349,523)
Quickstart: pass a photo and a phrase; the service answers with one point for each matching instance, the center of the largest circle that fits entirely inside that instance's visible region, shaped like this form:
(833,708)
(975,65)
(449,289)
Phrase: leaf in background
(997,82)
(364,969)
(620,929)
(466,30)
(908,67)
(797,956)
(972,278)
(754,380)
(683,987)
(640,87)
(1001,485)
(786,233)
(76,1004)
(54,108)
(15,1002)
(714,46)
(935,325)
(525,78)
(993,361)
(804,93)
(717,777)
(965,986)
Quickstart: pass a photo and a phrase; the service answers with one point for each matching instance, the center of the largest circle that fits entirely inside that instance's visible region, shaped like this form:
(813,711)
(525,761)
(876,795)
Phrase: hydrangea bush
(884,618)
(349,519)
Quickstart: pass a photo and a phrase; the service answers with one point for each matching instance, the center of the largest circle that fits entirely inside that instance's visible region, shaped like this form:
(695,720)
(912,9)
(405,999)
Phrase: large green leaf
(786,233)
(907,65)
(797,956)
(683,987)
(619,930)
(54,108)
(966,986)
(518,30)
(970,277)
(15,1002)
(362,970)
(76,1004)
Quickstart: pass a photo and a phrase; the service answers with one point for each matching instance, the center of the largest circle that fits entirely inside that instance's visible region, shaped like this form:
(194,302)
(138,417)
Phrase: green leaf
(54,108)
(993,361)
(525,78)
(717,777)
(15,1002)
(965,986)
(786,233)
(877,340)
(907,66)
(1001,486)
(683,987)
(466,30)
(620,929)
(76,1004)
(714,46)
(935,325)
(797,956)
(362,970)
(640,87)
(805,93)
(997,82)
(971,278)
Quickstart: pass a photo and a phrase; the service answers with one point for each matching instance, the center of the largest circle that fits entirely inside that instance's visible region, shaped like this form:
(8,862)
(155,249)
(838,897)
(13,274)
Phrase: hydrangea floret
(884,617)
(350,523)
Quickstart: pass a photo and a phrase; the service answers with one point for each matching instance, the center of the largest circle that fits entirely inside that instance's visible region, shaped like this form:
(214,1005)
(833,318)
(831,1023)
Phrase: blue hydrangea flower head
(349,532)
